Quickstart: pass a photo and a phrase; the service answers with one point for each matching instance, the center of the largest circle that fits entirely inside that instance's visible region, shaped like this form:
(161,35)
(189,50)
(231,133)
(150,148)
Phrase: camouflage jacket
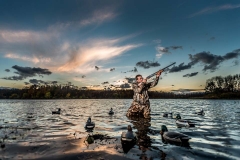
(141,91)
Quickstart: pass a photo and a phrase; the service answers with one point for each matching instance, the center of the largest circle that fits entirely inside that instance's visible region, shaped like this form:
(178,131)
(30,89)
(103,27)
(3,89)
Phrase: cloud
(33,59)
(157,41)
(236,63)
(212,38)
(125,85)
(24,36)
(98,16)
(165,50)
(180,67)
(25,72)
(130,80)
(52,48)
(33,46)
(161,51)
(14,78)
(90,53)
(211,62)
(112,69)
(7,70)
(133,70)
(176,47)
(35,81)
(191,74)
(26,83)
(209,10)
(97,68)
(231,55)
(105,83)
(147,64)
(48,50)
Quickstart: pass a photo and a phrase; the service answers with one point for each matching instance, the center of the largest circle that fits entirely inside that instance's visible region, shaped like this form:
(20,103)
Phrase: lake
(33,132)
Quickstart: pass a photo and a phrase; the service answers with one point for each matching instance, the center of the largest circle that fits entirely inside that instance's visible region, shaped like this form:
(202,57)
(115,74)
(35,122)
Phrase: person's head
(139,78)
(129,128)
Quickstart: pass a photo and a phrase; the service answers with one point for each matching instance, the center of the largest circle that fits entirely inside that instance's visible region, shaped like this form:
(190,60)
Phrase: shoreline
(200,98)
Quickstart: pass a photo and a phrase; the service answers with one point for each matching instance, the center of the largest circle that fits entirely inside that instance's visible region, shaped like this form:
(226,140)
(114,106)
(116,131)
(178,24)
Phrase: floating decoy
(183,123)
(57,112)
(201,112)
(167,114)
(89,124)
(128,139)
(174,137)
(111,112)
(2,145)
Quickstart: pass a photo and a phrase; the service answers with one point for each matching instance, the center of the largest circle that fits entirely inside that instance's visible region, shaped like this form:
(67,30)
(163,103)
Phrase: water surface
(215,136)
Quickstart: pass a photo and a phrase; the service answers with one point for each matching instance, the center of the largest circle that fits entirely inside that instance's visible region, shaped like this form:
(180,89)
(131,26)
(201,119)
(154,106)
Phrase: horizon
(102,43)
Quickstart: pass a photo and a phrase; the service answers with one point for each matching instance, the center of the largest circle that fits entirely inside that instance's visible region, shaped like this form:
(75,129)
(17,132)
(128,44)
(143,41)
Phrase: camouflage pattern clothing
(141,104)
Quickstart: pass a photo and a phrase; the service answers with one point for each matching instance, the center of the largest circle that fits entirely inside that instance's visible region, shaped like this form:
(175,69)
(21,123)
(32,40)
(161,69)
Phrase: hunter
(141,104)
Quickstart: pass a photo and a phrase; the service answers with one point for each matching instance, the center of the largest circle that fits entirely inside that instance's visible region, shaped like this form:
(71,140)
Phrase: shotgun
(151,75)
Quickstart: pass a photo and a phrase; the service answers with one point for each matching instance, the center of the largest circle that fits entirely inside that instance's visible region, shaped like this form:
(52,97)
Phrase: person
(129,133)
(141,102)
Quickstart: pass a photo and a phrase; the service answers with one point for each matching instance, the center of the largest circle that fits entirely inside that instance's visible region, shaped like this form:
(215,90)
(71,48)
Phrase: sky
(99,44)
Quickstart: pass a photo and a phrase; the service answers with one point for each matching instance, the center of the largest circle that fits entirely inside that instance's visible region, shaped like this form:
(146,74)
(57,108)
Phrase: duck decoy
(174,137)
(183,123)
(201,112)
(57,112)
(128,139)
(167,114)
(2,145)
(89,124)
(111,112)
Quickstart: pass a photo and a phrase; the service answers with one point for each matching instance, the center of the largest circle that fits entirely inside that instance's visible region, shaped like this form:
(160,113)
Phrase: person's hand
(159,73)
(144,80)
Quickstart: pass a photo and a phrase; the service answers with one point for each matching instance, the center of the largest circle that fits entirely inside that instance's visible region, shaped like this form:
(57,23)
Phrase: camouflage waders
(141,104)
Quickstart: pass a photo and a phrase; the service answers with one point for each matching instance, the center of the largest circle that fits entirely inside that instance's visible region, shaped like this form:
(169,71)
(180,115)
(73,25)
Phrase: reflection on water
(215,136)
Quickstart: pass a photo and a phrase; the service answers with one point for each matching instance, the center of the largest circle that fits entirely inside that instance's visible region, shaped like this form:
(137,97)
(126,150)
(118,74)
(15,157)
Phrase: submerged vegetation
(216,88)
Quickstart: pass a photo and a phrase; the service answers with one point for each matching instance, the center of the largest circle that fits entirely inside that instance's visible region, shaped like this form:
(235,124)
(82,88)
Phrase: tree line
(216,87)
(73,92)
(223,87)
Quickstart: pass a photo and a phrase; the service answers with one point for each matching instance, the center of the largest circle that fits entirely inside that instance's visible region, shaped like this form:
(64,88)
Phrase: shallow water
(215,136)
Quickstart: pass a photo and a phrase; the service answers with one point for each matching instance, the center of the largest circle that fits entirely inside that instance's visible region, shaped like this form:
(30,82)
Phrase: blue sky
(45,41)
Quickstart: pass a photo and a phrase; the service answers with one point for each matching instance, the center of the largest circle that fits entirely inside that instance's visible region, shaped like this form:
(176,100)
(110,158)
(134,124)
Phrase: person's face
(139,79)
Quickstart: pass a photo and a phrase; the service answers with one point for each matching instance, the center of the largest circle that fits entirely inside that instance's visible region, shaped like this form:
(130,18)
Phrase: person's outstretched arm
(155,82)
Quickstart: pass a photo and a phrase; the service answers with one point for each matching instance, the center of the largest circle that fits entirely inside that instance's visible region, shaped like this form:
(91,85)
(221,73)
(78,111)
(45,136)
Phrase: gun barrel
(151,75)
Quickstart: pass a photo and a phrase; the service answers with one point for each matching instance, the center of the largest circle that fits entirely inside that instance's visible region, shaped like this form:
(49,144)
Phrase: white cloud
(95,18)
(209,10)
(22,36)
(160,51)
(32,59)
(98,17)
(66,56)
(87,55)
